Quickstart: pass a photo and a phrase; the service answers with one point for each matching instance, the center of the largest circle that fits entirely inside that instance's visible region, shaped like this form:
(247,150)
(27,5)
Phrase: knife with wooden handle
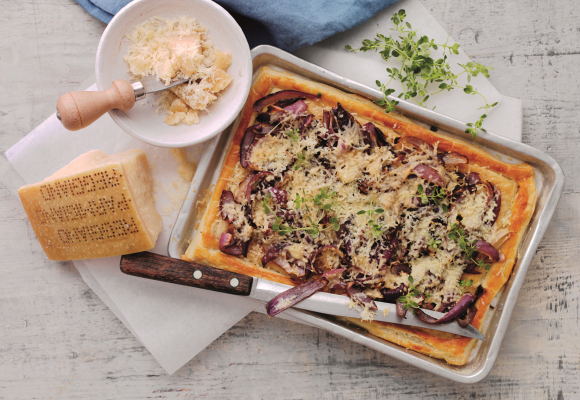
(77,110)
(166,269)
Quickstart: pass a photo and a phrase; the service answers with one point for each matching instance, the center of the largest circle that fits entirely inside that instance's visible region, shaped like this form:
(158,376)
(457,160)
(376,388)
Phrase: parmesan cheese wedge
(96,206)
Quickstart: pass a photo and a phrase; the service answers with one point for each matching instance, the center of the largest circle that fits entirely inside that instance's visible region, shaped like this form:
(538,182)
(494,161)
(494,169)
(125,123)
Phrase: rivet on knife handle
(161,268)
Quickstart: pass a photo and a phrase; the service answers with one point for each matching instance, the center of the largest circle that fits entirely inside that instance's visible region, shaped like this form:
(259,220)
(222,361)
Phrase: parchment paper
(173,322)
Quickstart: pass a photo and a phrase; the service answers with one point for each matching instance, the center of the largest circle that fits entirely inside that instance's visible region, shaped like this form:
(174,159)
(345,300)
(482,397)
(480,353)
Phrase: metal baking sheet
(549,178)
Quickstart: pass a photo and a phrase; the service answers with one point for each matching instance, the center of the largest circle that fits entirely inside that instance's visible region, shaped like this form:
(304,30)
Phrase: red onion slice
(342,117)
(229,245)
(294,296)
(466,320)
(398,268)
(412,143)
(472,178)
(486,248)
(273,251)
(298,107)
(281,95)
(497,208)
(280,196)
(400,307)
(453,158)
(253,182)
(359,297)
(320,250)
(291,269)
(429,174)
(391,296)
(248,141)
(328,122)
(369,134)
(306,124)
(226,198)
(500,237)
(381,138)
(457,310)
(334,278)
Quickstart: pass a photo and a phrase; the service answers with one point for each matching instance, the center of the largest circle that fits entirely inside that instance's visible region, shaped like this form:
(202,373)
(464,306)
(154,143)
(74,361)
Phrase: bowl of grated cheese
(173,39)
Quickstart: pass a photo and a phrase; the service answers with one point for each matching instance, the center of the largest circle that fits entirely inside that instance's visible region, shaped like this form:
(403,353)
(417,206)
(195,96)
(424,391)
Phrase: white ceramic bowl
(141,121)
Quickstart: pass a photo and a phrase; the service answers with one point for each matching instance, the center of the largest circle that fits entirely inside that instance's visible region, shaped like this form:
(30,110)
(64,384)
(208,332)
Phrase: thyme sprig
(419,70)
(465,284)
(433,243)
(413,293)
(437,196)
(468,247)
(377,229)
(294,135)
(322,201)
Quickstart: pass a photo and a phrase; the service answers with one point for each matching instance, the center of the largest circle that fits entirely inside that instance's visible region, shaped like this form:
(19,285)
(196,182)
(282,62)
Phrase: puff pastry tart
(321,185)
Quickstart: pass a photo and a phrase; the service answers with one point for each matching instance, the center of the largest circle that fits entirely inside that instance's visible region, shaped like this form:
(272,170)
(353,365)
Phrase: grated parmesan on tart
(323,191)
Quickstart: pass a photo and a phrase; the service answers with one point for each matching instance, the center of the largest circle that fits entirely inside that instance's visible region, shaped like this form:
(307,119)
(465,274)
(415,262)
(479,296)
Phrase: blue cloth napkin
(288,24)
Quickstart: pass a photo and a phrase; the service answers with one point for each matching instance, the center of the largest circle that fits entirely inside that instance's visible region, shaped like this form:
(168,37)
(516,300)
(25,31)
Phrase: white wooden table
(58,340)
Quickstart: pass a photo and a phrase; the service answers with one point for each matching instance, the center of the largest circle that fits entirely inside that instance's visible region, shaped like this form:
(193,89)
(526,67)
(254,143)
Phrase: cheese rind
(96,206)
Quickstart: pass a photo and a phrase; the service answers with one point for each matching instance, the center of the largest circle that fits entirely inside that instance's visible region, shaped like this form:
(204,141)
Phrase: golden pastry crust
(516,184)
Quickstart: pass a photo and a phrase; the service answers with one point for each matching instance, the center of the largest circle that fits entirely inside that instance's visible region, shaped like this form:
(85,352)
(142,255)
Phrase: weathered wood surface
(58,340)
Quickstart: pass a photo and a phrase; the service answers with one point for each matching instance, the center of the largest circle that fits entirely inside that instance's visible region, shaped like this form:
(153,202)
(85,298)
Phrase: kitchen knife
(77,110)
(161,268)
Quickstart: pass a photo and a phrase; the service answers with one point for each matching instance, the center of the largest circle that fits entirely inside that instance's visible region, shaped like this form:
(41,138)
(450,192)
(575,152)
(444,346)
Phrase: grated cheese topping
(388,220)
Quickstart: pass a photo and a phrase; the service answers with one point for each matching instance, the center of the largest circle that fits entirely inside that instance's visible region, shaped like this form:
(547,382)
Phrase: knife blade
(150,84)
(162,268)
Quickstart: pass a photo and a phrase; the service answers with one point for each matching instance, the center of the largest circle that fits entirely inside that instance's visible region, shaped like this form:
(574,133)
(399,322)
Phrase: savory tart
(322,190)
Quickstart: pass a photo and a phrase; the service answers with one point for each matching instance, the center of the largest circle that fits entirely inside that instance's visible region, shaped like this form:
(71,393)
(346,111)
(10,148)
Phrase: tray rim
(453,126)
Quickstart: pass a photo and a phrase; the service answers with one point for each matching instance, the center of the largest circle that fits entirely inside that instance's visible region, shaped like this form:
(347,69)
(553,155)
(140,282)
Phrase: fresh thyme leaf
(419,70)
(265,203)
(300,159)
(294,135)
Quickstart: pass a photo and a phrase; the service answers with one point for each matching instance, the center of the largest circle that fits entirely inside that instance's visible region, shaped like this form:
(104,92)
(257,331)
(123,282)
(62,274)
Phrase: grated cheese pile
(179,48)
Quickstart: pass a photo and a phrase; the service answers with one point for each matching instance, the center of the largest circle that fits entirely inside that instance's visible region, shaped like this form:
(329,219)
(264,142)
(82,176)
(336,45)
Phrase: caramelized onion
(334,278)
(253,182)
(359,297)
(342,117)
(391,296)
(496,209)
(281,95)
(468,317)
(226,198)
(378,134)
(306,124)
(229,245)
(280,196)
(328,122)
(453,158)
(297,108)
(457,310)
(472,178)
(273,251)
(411,142)
(429,174)
(401,312)
(320,250)
(486,248)
(294,296)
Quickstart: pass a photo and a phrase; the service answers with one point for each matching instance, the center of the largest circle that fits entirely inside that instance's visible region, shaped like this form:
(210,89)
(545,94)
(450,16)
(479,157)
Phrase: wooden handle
(77,110)
(166,269)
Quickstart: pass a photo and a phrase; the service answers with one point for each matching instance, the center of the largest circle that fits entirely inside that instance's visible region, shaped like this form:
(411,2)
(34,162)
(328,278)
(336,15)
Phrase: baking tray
(549,178)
